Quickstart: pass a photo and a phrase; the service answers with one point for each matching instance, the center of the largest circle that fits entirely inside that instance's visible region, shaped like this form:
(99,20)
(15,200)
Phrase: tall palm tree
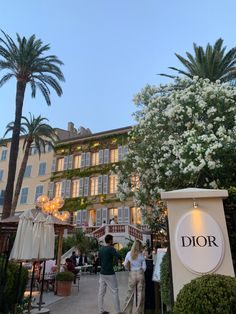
(212,63)
(25,60)
(37,132)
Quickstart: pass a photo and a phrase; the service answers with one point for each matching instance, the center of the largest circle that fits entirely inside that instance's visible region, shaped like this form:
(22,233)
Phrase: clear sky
(110,49)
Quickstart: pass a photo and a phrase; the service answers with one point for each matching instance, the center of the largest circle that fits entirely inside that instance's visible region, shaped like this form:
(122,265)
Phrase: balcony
(117,230)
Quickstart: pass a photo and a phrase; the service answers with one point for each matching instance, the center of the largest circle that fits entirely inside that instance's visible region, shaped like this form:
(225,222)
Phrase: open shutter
(98,216)
(81,186)
(63,188)
(105,184)
(120,215)
(125,151)
(68,187)
(141,216)
(126,215)
(100,185)
(120,153)
(70,162)
(79,218)
(100,156)
(50,189)
(54,162)
(84,215)
(104,215)
(86,186)
(83,157)
(65,162)
(87,159)
(106,156)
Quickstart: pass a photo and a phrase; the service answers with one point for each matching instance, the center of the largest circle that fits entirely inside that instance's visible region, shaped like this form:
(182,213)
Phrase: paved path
(85,302)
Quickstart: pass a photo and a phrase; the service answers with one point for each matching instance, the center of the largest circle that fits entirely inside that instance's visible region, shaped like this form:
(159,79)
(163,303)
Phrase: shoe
(105,312)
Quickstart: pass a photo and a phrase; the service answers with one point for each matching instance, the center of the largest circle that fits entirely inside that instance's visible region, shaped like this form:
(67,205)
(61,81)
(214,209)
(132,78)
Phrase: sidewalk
(85,301)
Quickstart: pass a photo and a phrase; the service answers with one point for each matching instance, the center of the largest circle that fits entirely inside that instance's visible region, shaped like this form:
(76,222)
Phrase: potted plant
(64,283)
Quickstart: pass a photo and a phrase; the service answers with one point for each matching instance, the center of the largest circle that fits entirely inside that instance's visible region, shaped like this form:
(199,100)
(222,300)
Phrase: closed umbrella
(49,238)
(39,239)
(22,248)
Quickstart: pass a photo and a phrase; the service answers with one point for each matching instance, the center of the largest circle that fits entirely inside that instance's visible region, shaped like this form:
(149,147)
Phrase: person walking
(107,255)
(135,262)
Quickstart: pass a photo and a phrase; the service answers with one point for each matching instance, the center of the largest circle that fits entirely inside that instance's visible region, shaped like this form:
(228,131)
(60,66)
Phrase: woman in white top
(136,263)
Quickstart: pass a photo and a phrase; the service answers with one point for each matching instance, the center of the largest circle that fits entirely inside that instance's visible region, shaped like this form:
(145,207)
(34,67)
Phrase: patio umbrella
(22,247)
(39,239)
(49,238)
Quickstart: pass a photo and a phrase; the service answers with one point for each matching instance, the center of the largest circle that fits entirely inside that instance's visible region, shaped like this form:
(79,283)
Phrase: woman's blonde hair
(136,249)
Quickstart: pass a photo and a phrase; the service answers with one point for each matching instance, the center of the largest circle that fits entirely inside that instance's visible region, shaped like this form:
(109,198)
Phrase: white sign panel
(199,242)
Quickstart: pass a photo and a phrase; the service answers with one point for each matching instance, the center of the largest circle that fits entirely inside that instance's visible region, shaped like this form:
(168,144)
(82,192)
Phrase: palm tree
(213,63)
(26,61)
(36,131)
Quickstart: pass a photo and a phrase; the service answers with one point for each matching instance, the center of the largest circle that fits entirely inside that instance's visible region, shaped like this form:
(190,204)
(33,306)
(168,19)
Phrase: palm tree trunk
(20,177)
(20,92)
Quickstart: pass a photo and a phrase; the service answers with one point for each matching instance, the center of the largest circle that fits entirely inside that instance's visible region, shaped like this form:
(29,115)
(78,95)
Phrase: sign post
(198,234)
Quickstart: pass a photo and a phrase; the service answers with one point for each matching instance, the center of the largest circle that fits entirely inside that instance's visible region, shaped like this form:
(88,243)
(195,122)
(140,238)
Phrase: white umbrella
(49,238)
(38,237)
(22,248)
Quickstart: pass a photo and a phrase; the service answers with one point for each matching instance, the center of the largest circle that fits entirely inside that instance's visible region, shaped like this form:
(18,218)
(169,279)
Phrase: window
(4,154)
(113,184)
(58,188)
(114,155)
(135,183)
(95,159)
(24,195)
(60,164)
(38,191)
(2,193)
(1,174)
(112,213)
(42,169)
(27,171)
(77,161)
(94,186)
(135,215)
(75,188)
(49,148)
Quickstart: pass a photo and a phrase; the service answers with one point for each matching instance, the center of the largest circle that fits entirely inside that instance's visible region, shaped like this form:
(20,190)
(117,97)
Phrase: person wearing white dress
(135,262)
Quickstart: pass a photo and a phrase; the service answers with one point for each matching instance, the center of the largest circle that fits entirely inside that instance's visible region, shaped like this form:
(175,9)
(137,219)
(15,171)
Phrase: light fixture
(52,207)
(195,204)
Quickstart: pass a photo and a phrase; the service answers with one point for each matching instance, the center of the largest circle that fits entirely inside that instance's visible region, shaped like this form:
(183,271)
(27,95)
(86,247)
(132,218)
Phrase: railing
(116,228)
(90,229)
(136,233)
(99,232)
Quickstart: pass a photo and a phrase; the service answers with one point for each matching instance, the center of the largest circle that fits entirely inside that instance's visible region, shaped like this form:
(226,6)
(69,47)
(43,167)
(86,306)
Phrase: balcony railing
(99,232)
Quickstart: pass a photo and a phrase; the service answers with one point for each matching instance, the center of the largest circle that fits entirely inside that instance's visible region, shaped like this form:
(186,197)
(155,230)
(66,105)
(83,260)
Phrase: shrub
(207,294)
(165,281)
(65,276)
(11,290)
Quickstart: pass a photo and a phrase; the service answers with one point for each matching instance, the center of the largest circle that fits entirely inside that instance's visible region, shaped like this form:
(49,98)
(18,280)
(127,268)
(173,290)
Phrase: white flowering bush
(185,136)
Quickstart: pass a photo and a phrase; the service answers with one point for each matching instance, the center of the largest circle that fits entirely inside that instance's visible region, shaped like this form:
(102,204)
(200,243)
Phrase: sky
(111,49)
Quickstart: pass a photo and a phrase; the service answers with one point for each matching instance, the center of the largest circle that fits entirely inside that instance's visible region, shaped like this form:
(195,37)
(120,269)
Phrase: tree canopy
(212,63)
(184,137)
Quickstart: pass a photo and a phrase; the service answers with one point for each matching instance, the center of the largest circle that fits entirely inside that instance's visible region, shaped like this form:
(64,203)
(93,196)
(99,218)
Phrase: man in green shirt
(107,256)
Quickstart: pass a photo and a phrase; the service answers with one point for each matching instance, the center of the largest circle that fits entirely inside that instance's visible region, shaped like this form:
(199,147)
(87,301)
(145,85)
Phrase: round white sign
(199,242)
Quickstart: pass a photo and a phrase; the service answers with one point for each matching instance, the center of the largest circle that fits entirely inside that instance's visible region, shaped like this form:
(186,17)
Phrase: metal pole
(42,284)
(31,289)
